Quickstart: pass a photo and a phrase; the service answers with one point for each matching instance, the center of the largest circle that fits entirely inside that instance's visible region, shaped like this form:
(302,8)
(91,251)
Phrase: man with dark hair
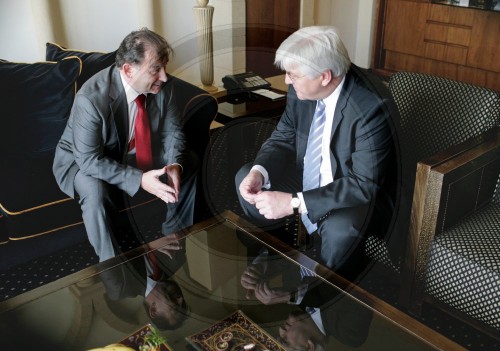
(124,133)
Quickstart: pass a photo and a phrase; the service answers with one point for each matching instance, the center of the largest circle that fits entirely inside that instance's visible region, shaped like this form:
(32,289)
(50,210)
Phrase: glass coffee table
(201,289)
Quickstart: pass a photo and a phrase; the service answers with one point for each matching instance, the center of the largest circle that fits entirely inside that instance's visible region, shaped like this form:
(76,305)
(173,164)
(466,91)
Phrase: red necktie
(143,155)
(156,273)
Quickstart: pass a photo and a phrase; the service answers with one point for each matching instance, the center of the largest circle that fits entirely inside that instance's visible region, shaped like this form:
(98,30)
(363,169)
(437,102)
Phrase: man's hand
(269,296)
(169,192)
(250,278)
(174,178)
(251,186)
(170,244)
(274,204)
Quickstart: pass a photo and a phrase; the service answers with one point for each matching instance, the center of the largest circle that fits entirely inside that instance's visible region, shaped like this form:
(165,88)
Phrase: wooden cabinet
(268,23)
(448,41)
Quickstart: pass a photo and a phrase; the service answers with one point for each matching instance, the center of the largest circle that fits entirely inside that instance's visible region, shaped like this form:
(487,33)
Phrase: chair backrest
(232,146)
(198,110)
(437,113)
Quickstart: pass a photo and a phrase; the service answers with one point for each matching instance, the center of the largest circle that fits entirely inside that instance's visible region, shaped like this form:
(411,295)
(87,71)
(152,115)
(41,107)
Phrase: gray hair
(314,50)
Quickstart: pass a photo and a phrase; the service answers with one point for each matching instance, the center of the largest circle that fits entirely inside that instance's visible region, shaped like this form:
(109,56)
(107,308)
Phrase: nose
(282,332)
(163,75)
(288,81)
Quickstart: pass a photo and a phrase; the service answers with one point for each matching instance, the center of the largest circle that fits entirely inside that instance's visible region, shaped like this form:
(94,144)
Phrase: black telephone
(244,83)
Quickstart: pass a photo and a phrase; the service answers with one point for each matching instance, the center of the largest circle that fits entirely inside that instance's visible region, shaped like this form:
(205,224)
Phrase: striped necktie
(312,159)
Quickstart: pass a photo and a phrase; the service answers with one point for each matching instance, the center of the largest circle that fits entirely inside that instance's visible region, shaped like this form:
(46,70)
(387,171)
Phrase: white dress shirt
(326,176)
(132,107)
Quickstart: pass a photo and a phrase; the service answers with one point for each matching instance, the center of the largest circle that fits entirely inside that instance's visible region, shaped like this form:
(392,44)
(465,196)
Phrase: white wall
(17,32)
(354,19)
(100,25)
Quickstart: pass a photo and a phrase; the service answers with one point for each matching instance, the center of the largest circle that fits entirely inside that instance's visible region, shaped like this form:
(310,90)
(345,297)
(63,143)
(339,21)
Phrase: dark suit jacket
(362,148)
(95,140)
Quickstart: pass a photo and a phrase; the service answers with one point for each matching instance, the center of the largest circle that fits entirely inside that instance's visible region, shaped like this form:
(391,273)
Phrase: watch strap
(295,209)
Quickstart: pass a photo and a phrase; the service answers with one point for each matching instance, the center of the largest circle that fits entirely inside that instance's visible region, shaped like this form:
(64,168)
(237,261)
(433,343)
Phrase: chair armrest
(448,186)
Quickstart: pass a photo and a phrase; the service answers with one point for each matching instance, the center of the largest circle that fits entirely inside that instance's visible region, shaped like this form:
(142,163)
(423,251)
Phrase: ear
(326,78)
(310,345)
(128,69)
(153,311)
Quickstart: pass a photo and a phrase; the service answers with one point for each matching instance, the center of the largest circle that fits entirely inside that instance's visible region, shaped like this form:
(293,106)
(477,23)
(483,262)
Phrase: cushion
(93,62)
(464,269)
(36,100)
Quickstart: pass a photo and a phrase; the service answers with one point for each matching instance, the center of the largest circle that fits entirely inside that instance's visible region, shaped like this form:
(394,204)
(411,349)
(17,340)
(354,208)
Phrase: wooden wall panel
(268,23)
(450,14)
(447,41)
(484,50)
(404,27)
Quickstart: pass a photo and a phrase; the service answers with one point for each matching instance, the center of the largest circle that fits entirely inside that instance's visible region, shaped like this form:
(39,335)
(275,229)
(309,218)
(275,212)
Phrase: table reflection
(149,276)
(189,283)
(321,312)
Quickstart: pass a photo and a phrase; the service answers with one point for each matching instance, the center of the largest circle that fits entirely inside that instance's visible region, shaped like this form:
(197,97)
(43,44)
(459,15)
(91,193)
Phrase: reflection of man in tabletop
(150,276)
(300,332)
(165,305)
(324,310)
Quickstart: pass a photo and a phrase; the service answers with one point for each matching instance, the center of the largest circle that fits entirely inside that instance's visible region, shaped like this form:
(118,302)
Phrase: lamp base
(209,88)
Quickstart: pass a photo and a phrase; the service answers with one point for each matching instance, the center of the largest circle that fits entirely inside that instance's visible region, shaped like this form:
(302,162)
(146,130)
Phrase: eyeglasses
(293,77)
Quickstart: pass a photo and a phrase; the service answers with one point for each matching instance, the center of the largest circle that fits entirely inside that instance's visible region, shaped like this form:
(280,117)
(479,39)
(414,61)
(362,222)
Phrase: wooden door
(268,23)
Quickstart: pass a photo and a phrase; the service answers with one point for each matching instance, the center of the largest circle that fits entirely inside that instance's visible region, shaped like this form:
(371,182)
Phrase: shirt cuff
(303,208)
(299,294)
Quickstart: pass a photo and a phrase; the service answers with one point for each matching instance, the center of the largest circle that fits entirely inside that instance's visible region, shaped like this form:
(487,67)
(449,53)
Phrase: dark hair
(133,48)
(171,291)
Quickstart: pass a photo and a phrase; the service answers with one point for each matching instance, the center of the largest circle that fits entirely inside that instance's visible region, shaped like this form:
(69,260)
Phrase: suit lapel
(119,109)
(342,102)
(153,108)
(305,120)
(338,115)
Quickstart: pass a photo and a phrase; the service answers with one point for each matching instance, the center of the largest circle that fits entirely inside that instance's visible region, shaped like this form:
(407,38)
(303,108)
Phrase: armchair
(449,199)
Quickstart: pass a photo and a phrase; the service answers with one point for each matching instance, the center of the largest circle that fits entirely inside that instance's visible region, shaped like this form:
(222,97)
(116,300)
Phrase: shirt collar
(336,93)
(129,91)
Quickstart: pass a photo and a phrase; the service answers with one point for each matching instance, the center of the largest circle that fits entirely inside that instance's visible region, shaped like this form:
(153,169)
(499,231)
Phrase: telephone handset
(244,82)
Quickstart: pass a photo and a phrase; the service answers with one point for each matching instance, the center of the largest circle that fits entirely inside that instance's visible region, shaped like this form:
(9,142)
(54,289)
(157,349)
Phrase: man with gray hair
(332,156)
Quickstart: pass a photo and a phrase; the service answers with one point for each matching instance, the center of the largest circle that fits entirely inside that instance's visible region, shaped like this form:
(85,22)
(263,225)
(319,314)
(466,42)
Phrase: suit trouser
(100,203)
(341,239)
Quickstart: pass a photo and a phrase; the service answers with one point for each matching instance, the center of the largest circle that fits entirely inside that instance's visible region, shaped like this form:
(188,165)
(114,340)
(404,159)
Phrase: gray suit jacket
(362,148)
(95,140)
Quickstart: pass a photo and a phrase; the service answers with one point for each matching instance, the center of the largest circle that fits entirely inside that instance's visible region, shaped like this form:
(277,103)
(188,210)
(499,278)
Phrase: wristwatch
(295,203)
